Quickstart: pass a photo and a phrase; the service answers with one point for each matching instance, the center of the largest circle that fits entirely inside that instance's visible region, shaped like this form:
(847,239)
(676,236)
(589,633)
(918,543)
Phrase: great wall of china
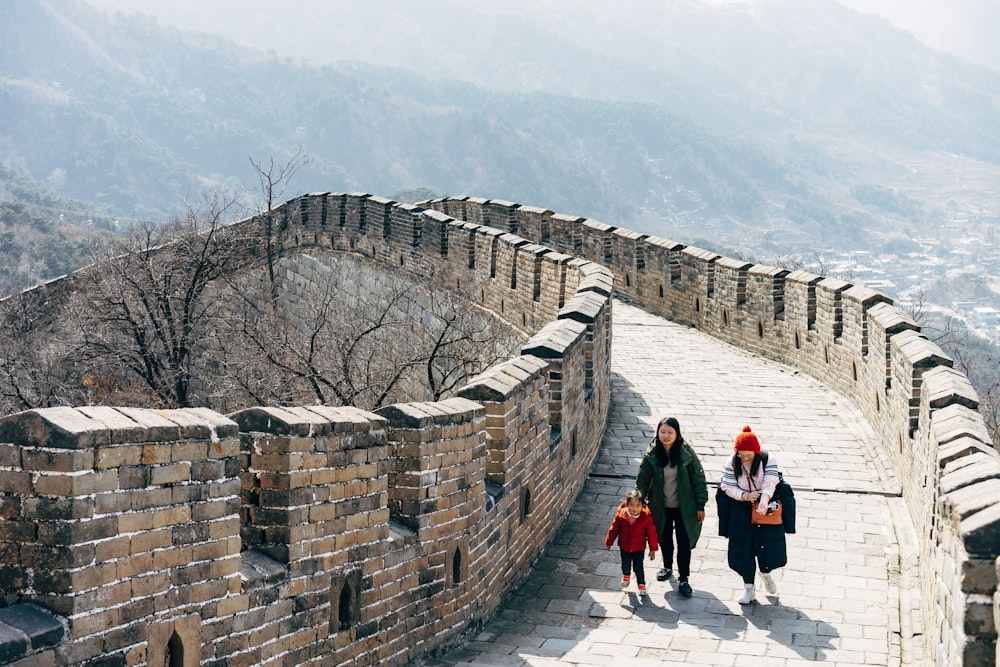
(322,535)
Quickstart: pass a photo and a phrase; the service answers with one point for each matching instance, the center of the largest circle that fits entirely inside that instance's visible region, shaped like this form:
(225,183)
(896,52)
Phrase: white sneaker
(748,594)
(769,584)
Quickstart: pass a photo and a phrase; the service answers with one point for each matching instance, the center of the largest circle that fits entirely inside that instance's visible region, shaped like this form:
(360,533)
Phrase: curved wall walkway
(839,597)
(856,343)
(542,269)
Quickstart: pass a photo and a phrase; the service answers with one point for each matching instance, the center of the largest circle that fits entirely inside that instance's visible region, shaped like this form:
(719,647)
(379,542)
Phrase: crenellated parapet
(855,341)
(127,527)
(313,534)
(278,535)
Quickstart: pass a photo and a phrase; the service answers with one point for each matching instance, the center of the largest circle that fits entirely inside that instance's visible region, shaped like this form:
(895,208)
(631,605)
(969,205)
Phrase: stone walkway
(838,599)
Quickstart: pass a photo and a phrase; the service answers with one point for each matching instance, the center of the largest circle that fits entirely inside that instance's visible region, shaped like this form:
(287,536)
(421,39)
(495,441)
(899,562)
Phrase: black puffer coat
(767,543)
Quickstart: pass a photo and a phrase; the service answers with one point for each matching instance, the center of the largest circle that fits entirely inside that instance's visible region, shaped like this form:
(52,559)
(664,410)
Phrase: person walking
(672,481)
(749,480)
(633,527)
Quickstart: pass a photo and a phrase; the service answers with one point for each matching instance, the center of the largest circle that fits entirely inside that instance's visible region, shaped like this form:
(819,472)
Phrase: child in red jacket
(633,526)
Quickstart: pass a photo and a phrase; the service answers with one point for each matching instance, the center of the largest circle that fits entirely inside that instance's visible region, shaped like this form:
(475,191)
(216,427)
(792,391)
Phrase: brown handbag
(773,516)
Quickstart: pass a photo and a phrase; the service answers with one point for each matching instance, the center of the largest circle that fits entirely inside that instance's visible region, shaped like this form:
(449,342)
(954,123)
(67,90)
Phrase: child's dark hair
(635,493)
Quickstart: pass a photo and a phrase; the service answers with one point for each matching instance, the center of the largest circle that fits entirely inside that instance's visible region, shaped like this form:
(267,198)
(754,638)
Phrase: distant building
(986,316)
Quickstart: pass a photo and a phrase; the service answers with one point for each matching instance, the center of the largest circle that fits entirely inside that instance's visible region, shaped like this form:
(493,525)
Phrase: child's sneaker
(625,579)
(642,589)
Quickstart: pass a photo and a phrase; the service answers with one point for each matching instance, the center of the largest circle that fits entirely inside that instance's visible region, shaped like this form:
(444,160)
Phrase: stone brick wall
(855,341)
(125,523)
(313,535)
(284,536)
(314,486)
(455,532)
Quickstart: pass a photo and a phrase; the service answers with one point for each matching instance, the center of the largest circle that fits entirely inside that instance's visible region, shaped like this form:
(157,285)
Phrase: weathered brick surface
(376,535)
(856,342)
(320,535)
(101,555)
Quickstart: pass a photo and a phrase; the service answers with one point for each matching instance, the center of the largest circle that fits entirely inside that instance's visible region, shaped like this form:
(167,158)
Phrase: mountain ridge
(157,113)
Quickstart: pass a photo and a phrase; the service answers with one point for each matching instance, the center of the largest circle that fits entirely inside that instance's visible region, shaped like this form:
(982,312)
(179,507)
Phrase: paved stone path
(839,597)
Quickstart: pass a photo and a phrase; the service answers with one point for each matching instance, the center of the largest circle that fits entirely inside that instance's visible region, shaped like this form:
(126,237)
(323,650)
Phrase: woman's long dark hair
(738,465)
(670,458)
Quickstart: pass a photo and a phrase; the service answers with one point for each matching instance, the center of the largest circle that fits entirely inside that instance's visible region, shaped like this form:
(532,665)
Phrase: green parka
(692,493)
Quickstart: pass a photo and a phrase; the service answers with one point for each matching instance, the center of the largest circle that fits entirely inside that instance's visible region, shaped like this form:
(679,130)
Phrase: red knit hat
(747,442)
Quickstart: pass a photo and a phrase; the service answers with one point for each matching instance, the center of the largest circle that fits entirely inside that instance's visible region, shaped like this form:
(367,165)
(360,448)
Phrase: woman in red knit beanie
(750,478)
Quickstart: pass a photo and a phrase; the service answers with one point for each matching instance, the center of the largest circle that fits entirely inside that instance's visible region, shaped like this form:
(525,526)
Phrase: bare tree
(390,339)
(179,315)
(37,349)
(328,349)
(460,343)
(273,178)
(148,312)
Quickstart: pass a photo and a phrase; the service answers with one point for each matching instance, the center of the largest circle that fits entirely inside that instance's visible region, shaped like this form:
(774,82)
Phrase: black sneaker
(685,589)
(664,574)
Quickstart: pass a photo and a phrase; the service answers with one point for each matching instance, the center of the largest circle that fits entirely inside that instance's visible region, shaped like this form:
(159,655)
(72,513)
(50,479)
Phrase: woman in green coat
(672,481)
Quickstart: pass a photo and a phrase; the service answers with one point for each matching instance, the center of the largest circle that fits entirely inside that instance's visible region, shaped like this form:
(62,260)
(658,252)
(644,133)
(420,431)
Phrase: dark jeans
(675,526)
(632,560)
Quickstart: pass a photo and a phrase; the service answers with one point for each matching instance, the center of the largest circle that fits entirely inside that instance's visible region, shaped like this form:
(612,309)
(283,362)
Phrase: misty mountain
(966,28)
(792,123)
(764,66)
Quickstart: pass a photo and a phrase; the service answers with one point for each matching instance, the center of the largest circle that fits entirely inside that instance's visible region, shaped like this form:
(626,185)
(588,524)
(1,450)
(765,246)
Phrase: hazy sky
(964,27)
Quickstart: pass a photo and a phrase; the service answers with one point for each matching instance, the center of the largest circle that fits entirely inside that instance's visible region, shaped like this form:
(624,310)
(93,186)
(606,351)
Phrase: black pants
(675,526)
(632,560)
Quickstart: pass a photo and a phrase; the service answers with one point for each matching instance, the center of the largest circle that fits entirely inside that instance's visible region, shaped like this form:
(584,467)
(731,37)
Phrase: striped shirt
(764,481)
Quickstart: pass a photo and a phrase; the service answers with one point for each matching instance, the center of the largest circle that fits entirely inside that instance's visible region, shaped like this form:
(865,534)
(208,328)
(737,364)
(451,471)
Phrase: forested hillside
(126,114)
(789,130)
(44,235)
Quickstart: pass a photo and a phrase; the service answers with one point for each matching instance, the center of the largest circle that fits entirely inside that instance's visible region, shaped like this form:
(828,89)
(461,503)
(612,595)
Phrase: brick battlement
(858,344)
(333,535)
(312,535)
